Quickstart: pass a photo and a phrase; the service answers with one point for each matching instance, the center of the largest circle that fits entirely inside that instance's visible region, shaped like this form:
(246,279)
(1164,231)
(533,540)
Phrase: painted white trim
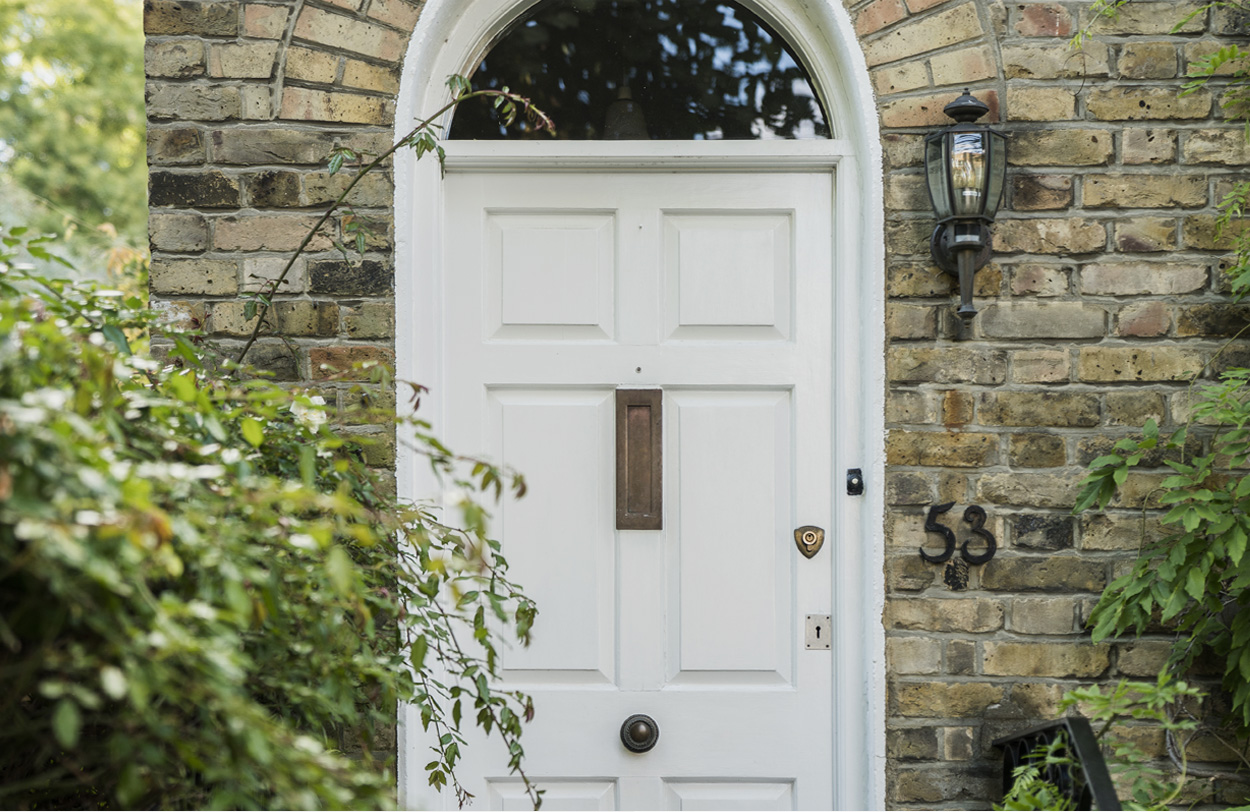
(450,37)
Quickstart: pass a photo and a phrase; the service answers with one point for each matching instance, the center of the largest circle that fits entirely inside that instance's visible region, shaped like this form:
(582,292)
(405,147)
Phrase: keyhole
(817,632)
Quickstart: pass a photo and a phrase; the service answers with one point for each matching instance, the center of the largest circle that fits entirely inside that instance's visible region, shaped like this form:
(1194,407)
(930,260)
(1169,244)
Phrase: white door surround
(450,37)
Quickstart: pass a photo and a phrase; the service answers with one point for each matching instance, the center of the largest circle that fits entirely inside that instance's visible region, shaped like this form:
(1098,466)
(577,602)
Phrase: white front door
(715,288)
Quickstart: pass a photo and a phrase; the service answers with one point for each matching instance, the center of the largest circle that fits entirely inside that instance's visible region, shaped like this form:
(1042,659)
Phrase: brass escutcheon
(809,540)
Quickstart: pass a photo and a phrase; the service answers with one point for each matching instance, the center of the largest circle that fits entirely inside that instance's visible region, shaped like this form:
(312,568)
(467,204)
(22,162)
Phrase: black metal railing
(1081,775)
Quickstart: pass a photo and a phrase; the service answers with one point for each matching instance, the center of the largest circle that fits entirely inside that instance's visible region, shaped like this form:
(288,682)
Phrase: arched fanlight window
(659,69)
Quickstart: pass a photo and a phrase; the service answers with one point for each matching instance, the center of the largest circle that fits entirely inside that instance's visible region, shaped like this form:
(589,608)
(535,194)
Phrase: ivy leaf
(117,338)
(341,570)
(1195,583)
(252,431)
(66,723)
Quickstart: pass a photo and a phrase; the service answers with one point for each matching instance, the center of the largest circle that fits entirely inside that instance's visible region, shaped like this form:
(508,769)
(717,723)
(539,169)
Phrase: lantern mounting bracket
(944,247)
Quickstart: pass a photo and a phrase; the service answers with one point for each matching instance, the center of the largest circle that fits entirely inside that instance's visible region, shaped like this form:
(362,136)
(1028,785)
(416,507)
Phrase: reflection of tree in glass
(705,70)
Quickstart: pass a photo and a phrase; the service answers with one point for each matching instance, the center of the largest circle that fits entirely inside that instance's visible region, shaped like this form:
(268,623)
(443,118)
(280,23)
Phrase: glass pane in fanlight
(935,168)
(997,173)
(968,172)
(694,69)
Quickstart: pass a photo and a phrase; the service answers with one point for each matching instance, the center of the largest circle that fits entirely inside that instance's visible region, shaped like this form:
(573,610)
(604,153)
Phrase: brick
(273,188)
(1133,408)
(192,102)
(946,699)
(958,450)
(375,190)
(924,111)
(972,615)
(1145,658)
(906,193)
(228,319)
(1145,234)
(961,657)
(1038,408)
(1212,320)
(177,146)
(174,59)
(1040,192)
(900,77)
(256,102)
(1116,364)
(242,60)
(1040,366)
(349,34)
(1046,659)
(909,573)
(964,65)
(179,232)
(368,277)
(1202,231)
(204,190)
(1044,615)
(916,280)
(1033,531)
(206,277)
(1060,148)
(946,365)
(1042,281)
(396,13)
(340,362)
(304,104)
(266,232)
(1036,451)
(1043,20)
(957,407)
(909,407)
(1141,17)
(1137,278)
(1040,104)
(910,321)
(1043,320)
(1037,700)
(947,785)
(1108,532)
(1141,145)
(275,358)
(1143,320)
(179,315)
(1148,60)
(369,319)
(1145,191)
(258,272)
(913,655)
(1146,104)
(1196,51)
(1028,490)
(1076,235)
(310,65)
(1052,573)
(307,318)
(263,21)
(1051,62)
(210,19)
(902,150)
(370,77)
(1226,147)
(908,488)
(911,743)
(949,27)
(270,145)
(877,15)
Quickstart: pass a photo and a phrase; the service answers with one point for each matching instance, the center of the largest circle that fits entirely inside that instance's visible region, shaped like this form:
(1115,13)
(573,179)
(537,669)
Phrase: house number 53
(973,515)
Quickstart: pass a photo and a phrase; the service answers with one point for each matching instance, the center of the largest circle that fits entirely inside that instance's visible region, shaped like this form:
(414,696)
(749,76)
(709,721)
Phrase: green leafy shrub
(1140,783)
(206,597)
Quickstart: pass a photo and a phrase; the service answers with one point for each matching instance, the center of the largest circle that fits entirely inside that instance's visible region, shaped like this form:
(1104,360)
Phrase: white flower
(310,416)
(231,455)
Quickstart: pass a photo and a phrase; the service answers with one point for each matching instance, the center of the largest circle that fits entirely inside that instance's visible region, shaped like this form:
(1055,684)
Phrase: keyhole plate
(819,632)
(809,540)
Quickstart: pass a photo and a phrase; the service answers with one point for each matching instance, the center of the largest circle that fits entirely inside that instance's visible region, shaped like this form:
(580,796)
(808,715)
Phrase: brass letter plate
(639,462)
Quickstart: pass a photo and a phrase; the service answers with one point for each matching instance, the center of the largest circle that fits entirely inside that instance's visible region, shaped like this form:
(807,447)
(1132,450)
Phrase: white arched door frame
(451,38)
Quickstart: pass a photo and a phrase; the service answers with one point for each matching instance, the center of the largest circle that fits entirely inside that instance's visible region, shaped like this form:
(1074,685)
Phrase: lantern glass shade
(966,168)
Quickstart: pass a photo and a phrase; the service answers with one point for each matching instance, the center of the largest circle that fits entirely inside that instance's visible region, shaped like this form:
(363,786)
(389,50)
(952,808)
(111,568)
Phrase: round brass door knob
(639,733)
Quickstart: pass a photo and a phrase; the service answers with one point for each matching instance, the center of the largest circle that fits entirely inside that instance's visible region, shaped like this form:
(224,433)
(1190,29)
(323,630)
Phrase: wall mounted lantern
(966,165)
